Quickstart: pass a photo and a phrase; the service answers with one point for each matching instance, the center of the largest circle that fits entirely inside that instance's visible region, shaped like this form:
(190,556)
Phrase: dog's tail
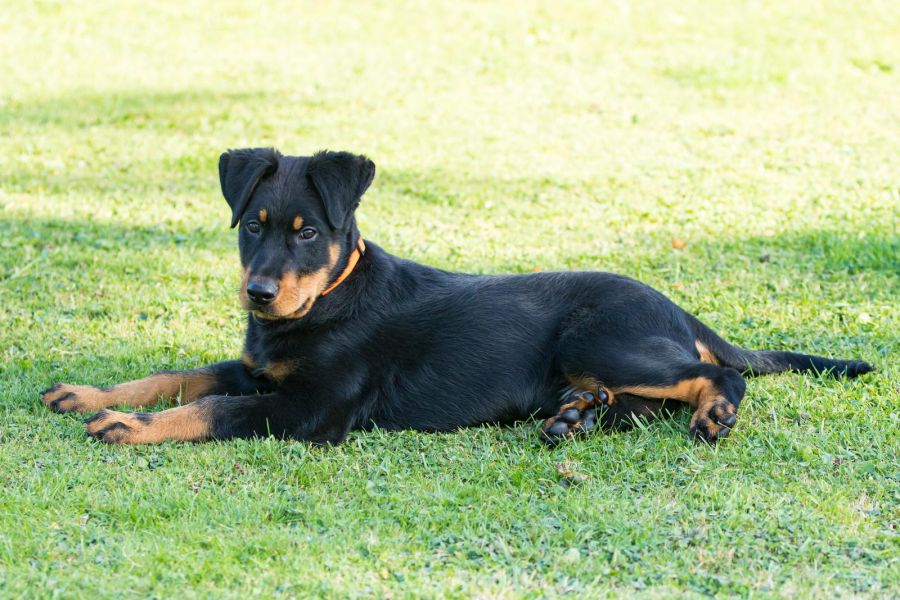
(763,362)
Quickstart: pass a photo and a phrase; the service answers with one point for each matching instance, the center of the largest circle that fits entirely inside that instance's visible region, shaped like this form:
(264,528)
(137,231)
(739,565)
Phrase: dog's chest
(285,361)
(270,366)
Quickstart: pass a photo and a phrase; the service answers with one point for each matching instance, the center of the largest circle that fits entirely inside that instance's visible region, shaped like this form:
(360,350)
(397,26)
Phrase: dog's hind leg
(230,377)
(628,409)
(587,403)
(656,369)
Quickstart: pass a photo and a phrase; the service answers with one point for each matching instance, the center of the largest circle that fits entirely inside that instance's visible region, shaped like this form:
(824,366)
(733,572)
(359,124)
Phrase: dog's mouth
(265,313)
(279,309)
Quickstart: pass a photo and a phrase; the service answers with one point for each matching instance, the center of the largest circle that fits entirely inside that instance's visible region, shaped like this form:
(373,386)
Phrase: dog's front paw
(115,427)
(713,421)
(64,398)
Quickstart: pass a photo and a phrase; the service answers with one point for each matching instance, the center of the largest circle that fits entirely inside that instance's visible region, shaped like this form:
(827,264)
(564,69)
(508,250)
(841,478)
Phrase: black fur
(341,179)
(406,346)
(400,345)
(240,171)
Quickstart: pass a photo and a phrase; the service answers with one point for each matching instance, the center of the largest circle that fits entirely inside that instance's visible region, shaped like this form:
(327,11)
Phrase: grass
(554,136)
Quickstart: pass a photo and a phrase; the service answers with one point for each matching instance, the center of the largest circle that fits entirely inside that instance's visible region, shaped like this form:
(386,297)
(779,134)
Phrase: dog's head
(297,223)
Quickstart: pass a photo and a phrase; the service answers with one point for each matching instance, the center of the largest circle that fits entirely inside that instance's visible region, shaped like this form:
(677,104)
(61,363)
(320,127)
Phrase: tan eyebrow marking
(263,215)
(298,222)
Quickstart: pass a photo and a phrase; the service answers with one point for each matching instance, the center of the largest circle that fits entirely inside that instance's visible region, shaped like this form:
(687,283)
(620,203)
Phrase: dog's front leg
(222,417)
(229,377)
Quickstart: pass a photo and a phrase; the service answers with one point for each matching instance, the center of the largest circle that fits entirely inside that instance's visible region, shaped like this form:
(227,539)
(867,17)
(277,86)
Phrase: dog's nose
(262,291)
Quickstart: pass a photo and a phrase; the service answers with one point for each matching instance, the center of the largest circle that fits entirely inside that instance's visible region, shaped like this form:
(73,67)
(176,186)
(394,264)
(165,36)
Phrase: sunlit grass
(547,136)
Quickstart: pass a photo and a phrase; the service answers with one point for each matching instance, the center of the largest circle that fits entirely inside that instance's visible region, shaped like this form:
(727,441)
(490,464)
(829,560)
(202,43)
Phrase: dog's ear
(341,179)
(240,171)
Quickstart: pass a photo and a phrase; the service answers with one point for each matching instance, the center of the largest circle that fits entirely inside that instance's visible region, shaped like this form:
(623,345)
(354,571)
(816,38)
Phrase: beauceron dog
(343,336)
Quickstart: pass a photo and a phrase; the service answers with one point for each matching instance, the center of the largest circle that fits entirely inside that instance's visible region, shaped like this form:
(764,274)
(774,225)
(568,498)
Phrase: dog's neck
(351,264)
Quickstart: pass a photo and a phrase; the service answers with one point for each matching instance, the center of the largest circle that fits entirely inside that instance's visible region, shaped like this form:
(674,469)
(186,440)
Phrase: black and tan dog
(342,336)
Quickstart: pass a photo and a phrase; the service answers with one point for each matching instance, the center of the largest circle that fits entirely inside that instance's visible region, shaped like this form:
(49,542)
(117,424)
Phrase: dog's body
(342,336)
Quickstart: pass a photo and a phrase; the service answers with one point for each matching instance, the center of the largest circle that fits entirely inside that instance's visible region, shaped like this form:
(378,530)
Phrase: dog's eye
(253,227)
(308,233)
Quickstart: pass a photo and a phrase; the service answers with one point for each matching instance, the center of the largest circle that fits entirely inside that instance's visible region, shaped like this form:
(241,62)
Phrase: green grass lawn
(556,136)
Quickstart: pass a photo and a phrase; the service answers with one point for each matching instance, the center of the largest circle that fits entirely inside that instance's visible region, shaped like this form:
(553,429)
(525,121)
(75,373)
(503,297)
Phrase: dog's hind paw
(713,421)
(576,417)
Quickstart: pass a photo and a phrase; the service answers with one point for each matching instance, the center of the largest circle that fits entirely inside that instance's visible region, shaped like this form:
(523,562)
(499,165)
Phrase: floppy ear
(341,179)
(240,171)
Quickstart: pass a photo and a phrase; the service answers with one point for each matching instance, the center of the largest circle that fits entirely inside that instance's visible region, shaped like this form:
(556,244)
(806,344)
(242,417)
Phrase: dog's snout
(262,290)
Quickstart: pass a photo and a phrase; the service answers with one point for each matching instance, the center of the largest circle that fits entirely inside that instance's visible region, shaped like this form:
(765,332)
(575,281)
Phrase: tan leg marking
(705,354)
(143,392)
(710,404)
(692,391)
(187,423)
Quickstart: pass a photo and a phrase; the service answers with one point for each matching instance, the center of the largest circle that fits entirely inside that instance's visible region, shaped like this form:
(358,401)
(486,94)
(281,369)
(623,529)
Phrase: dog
(343,336)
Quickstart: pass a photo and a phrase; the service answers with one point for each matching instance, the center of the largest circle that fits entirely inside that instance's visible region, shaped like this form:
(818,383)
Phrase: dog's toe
(578,416)
(713,421)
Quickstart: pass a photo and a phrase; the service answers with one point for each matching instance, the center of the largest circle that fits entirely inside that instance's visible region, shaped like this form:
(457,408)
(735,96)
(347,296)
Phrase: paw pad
(713,421)
(578,416)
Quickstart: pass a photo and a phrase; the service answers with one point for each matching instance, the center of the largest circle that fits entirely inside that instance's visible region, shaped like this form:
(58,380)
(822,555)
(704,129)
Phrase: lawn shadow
(77,127)
(28,234)
(132,109)
(821,251)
